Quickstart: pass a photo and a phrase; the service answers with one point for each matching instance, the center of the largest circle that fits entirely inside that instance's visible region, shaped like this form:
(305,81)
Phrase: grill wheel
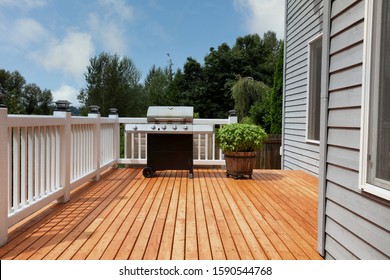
(148,172)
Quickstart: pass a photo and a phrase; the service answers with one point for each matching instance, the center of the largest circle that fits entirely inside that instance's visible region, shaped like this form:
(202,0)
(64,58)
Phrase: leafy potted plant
(239,143)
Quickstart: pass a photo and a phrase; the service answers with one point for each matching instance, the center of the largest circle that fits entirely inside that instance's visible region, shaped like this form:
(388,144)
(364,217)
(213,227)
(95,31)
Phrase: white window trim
(308,140)
(365,120)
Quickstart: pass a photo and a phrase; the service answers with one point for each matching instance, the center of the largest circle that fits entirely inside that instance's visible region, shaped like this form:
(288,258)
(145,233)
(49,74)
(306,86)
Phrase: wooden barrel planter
(239,164)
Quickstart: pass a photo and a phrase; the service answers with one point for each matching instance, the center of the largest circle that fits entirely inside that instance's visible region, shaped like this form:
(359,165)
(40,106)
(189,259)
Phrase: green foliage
(240,137)
(247,93)
(22,98)
(113,82)
(156,86)
(276,115)
(208,87)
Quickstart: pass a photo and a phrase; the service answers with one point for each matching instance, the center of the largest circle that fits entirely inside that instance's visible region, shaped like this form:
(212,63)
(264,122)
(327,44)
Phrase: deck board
(126,216)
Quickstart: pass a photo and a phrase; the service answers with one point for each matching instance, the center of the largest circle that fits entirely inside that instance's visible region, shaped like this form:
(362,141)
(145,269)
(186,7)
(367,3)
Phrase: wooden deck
(125,216)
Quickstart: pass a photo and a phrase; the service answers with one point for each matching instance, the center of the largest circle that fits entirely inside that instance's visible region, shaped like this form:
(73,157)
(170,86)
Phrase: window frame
(309,106)
(371,82)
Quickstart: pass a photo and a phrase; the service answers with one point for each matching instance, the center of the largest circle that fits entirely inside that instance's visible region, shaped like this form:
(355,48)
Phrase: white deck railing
(205,149)
(43,158)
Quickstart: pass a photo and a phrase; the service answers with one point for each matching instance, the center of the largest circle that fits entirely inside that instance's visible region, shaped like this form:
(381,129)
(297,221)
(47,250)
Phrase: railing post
(63,111)
(94,113)
(116,141)
(4,175)
(233,116)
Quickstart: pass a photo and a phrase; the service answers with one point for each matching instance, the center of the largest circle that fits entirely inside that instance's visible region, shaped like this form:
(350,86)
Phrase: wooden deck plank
(221,241)
(151,251)
(243,248)
(147,228)
(127,216)
(33,238)
(165,252)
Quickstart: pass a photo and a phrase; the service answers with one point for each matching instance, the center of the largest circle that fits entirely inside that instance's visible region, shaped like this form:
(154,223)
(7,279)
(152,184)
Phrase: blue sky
(50,42)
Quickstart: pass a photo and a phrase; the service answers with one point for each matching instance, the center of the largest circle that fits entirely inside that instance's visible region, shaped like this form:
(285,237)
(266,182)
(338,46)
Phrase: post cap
(113,111)
(62,105)
(94,109)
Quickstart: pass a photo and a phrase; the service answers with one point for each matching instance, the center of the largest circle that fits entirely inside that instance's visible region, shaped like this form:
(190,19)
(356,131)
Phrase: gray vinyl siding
(304,23)
(357,226)
(352,224)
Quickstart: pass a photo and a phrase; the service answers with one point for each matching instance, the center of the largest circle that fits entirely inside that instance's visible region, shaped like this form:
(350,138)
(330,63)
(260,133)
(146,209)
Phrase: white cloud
(66,92)
(263,15)
(71,55)
(25,31)
(108,25)
(110,35)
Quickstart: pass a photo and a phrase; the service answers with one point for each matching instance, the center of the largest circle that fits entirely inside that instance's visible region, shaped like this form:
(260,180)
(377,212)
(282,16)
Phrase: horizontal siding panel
(347,58)
(296,102)
(299,132)
(304,152)
(349,138)
(339,7)
(301,40)
(299,126)
(302,145)
(302,158)
(295,114)
(372,234)
(295,120)
(347,78)
(347,38)
(351,97)
(343,177)
(296,67)
(299,72)
(296,108)
(307,17)
(295,94)
(364,207)
(344,157)
(293,164)
(335,251)
(344,118)
(350,17)
(302,82)
(352,243)
(295,138)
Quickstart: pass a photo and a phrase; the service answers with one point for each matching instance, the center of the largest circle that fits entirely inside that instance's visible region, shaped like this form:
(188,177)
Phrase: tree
(113,82)
(156,86)
(22,98)
(275,116)
(12,85)
(249,97)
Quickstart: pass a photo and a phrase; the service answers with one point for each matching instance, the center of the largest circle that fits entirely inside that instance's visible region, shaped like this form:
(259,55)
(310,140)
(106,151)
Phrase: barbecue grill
(169,138)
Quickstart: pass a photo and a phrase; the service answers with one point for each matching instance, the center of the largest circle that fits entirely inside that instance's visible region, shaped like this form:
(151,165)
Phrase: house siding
(356,226)
(352,224)
(304,23)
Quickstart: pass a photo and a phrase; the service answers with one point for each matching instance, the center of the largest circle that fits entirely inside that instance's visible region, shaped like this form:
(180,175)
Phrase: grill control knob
(164,127)
(185,127)
(153,127)
(135,127)
(174,127)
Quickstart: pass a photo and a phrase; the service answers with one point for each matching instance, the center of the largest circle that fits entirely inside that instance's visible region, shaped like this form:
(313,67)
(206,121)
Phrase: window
(375,162)
(314,90)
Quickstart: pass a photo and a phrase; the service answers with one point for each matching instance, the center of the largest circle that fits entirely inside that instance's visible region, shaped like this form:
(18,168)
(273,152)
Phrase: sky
(50,42)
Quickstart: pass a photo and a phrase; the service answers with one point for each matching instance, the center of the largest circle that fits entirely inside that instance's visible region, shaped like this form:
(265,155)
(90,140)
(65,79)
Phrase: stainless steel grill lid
(167,114)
